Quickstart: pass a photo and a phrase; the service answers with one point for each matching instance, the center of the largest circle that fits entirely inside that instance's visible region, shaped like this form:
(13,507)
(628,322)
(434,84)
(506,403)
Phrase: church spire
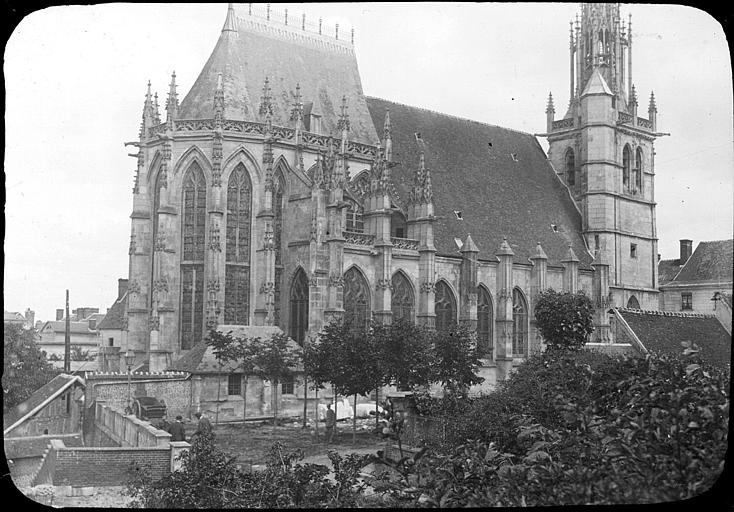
(172,102)
(148,114)
(387,136)
(156,110)
(652,112)
(230,24)
(550,112)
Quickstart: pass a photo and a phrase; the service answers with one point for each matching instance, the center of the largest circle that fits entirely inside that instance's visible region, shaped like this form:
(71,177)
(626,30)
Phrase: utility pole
(67,338)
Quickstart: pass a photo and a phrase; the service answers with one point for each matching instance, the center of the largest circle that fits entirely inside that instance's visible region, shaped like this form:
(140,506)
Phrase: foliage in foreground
(25,367)
(564,319)
(591,428)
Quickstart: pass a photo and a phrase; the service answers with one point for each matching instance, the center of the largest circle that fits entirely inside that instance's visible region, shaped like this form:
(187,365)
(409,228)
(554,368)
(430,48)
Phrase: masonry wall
(107,466)
(701,298)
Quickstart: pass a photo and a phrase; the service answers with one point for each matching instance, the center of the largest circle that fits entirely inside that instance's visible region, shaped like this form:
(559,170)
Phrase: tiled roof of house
(664,331)
(201,359)
(711,262)
(325,69)
(55,385)
(13,316)
(114,317)
(499,179)
(667,270)
(74,327)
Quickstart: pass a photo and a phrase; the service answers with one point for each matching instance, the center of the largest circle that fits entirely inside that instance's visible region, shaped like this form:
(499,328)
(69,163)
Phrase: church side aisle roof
(325,68)
(498,195)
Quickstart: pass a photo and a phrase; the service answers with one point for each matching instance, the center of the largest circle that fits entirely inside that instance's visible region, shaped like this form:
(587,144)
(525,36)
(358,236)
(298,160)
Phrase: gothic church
(277,193)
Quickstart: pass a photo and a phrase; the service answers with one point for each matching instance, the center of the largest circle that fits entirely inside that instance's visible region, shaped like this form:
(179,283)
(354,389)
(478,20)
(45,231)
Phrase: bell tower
(603,151)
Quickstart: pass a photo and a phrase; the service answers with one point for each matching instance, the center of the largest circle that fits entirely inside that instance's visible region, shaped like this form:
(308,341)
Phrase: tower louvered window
(299,307)
(519,324)
(278,211)
(485,322)
(445,306)
(638,170)
(356,299)
(237,273)
(626,164)
(403,301)
(192,259)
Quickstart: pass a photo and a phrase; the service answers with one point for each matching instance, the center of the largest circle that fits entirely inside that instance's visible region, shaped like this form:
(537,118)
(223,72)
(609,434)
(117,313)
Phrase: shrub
(564,319)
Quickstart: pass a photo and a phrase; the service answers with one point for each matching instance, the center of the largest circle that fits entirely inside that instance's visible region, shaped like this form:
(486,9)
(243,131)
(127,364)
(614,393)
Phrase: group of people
(390,424)
(177,429)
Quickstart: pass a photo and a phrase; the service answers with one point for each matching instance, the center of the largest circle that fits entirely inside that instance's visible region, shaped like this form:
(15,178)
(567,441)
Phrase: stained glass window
(445,306)
(633,303)
(403,301)
(237,272)
(192,265)
(356,299)
(519,323)
(299,307)
(485,322)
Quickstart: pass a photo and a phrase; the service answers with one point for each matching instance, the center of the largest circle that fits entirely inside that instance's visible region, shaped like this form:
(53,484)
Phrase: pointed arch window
(298,321)
(403,299)
(485,322)
(633,303)
(519,323)
(399,226)
(445,306)
(570,167)
(626,164)
(237,254)
(638,170)
(278,216)
(355,218)
(356,299)
(192,259)
(157,191)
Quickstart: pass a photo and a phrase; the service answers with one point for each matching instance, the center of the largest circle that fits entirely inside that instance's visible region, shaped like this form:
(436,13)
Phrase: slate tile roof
(498,196)
(711,262)
(287,56)
(74,327)
(56,384)
(201,359)
(664,331)
(114,317)
(667,270)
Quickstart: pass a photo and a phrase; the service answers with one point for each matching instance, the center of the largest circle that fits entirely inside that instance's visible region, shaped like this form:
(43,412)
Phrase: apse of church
(270,196)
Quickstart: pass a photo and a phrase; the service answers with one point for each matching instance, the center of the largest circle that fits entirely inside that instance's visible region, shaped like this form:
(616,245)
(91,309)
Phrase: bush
(564,319)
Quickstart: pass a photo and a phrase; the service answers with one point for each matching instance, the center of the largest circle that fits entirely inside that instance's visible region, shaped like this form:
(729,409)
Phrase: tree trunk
(336,414)
(244,404)
(377,408)
(316,412)
(305,400)
(274,395)
(219,389)
(354,421)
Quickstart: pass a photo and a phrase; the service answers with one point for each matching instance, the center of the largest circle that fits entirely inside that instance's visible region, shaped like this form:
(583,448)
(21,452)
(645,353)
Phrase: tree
(403,351)
(77,353)
(25,368)
(274,359)
(564,319)
(455,360)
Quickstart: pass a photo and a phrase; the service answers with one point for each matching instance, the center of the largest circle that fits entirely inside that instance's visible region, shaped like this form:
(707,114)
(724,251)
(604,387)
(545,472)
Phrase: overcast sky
(75,78)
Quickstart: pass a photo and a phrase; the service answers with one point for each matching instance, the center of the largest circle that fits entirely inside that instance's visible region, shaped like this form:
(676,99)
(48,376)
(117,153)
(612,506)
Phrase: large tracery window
(444,307)
(278,211)
(626,164)
(570,168)
(485,322)
(355,218)
(403,301)
(237,273)
(356,299)
(519,323)
(192,260)
(299,307)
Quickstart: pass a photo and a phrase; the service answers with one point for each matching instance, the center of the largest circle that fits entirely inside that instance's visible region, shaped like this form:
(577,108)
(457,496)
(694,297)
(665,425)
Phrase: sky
(76,76)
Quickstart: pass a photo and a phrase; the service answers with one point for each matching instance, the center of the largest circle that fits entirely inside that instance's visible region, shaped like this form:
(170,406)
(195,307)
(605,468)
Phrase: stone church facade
(277,193)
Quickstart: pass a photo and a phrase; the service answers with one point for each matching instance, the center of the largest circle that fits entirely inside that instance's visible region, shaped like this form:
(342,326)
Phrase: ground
(250,444)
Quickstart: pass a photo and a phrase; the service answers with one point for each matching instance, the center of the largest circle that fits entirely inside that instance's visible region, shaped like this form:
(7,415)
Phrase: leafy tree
(25,368)
(77,353)
(564,319)
(274,359)
(455,360)
(403,351)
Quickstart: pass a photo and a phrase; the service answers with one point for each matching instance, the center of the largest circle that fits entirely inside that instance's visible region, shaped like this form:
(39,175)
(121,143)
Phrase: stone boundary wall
(127,430)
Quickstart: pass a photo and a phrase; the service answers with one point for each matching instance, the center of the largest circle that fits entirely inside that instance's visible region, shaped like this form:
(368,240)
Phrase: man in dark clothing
(330,423)
(177,430)
(204,426)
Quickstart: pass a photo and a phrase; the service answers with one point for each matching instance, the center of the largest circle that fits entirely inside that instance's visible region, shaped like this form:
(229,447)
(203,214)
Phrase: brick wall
(107,466)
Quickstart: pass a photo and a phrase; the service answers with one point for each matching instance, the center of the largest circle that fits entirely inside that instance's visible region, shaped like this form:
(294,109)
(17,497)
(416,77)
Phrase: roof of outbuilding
(55,385)
(201,359)
(325,69)
(667,270)
(114,317)
(473,170)
(74,327)
(664,331)
(711,262)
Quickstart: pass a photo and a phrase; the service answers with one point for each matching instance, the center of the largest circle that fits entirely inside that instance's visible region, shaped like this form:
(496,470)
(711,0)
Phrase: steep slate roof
(664,331)
(114,317)
(54,386)
(10,316)
(667,270)
(711,262)
(75,327)
(324,67)
(201,359)
(497,196)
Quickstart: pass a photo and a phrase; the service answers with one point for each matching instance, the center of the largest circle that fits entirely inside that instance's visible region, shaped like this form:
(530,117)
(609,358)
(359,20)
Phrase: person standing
(204,426)
(177,430)
(330,423)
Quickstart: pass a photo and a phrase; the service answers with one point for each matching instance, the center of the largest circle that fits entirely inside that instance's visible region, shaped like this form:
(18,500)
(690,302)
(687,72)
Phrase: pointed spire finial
(343,122)
(539,253)
(219,100)
(266,100)
(652,107)
(297,110)
(387,136)
(550,108)
(505,249)
(156,111)
(230,23)
(633,96)
(570,255)
(172,101)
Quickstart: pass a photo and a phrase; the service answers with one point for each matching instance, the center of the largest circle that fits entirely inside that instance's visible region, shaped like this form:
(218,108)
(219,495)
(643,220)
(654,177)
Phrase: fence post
(177,448)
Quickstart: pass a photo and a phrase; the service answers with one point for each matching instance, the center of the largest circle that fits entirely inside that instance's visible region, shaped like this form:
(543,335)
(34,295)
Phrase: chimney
(59,314)
(686,248)
(30,318)
(121,287)
(92,324)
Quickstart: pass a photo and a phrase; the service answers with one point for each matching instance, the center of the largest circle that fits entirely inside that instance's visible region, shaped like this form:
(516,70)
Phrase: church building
(277,193)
